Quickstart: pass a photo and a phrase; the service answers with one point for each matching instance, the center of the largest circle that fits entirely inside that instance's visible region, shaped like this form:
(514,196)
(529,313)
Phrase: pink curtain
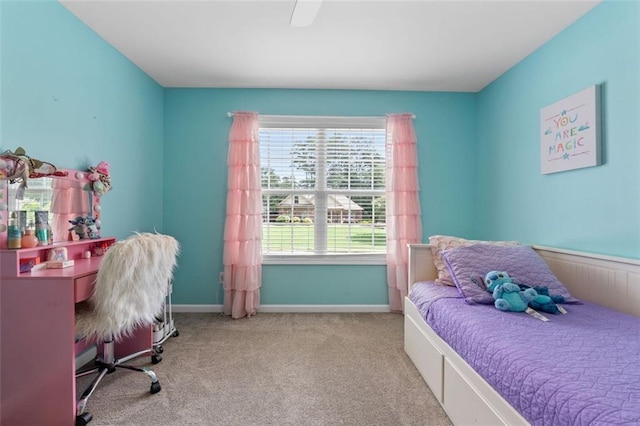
(68,201)
(243,225)
(404,225)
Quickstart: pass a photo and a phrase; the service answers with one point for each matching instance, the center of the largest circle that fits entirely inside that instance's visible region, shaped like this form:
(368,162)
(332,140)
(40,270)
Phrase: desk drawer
(83,287)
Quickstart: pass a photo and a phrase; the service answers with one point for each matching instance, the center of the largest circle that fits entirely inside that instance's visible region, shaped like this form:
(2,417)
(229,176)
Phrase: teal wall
(196,142)
(69,98)
(594,209)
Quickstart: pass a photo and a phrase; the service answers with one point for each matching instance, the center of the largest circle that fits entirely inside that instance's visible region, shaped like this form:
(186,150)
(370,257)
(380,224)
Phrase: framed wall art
(570,134)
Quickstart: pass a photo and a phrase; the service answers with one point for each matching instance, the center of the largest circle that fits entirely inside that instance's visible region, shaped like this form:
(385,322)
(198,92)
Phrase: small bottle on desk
(14,234)
(41,234)
(28,239)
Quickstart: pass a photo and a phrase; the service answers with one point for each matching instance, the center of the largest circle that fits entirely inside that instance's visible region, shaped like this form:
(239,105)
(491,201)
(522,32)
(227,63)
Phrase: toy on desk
(57,254)
(93,230)
(79,227)
(85,227)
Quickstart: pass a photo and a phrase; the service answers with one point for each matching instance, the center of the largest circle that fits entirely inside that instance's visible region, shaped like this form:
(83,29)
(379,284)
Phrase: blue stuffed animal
(508,296)
(93,230)
(79,227)
(544,301)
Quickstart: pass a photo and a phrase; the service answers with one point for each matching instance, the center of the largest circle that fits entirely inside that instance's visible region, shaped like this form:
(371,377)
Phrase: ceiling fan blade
(304,12)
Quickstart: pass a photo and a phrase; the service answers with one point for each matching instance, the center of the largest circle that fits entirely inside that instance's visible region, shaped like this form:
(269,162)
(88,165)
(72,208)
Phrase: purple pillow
(522,263)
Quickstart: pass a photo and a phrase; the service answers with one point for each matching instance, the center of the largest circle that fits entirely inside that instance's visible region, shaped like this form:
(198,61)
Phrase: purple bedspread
(582,368)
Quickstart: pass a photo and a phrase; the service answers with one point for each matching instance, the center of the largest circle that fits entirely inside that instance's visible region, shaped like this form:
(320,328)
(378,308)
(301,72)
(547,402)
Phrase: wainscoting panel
(613,282)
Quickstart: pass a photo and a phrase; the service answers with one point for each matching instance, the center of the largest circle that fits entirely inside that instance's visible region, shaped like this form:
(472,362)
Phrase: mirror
(63,197)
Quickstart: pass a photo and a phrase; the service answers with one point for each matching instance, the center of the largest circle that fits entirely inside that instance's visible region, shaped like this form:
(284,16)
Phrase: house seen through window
(323,185)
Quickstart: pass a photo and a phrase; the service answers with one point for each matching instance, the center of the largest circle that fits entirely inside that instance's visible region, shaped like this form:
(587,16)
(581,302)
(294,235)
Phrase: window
(323,186)
(36,197)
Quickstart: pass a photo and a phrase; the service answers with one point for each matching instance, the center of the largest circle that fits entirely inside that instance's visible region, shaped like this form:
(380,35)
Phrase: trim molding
(606,258)
(196,309)
(288,308)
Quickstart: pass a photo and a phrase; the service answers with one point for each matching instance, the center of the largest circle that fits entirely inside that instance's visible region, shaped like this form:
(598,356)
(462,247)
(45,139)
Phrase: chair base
(107,364)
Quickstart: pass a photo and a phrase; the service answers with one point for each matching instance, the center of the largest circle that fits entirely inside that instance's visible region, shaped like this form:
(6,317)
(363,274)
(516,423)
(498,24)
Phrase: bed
(578,368)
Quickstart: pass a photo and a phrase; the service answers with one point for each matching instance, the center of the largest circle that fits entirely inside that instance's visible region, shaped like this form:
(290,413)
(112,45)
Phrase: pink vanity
(37,324)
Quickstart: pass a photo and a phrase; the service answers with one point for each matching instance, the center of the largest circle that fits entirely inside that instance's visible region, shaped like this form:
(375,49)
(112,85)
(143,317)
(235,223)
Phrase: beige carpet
(274,369)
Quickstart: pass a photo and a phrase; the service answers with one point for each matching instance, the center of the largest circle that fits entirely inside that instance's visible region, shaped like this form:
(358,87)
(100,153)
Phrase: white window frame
(333,122)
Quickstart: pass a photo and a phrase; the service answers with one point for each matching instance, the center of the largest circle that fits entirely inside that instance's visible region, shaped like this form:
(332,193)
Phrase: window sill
(328,259)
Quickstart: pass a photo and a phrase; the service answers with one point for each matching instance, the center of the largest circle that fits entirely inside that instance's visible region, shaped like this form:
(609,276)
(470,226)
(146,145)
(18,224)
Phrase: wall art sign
(570,132)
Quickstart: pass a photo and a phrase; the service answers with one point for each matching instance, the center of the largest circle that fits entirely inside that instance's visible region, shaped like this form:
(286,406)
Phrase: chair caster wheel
(156,359)
(176,333)
(159,349)
(155,387)
(83,419)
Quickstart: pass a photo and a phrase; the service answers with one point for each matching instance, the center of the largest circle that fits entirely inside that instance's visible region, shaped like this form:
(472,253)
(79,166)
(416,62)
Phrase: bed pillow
(468,265)
(440,243)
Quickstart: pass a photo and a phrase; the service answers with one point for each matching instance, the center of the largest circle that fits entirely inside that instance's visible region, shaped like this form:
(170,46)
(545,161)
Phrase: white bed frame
(465,396)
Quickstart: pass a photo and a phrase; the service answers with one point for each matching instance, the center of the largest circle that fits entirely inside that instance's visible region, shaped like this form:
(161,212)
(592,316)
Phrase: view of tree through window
(36,197)
(323,189)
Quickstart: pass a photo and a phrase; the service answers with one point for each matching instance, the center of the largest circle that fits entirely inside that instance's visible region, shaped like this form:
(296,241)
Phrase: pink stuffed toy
(103,167)
(100,179)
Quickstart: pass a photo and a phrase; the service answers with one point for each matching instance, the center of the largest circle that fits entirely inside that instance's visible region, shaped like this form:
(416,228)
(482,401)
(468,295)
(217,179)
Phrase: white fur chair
(130,291)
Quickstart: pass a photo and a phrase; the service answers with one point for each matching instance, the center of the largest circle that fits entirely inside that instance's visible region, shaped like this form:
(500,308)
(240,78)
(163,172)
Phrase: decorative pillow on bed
(440,243)
(522,263)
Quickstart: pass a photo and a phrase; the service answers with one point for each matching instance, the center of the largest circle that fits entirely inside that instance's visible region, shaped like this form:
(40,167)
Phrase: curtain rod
(230,114)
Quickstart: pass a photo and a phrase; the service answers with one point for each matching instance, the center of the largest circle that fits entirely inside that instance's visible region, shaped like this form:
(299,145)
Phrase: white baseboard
(324,308)
(288,308)
(197,308)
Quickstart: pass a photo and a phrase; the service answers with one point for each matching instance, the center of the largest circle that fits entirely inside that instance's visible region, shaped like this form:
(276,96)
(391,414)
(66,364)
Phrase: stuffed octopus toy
(512,297)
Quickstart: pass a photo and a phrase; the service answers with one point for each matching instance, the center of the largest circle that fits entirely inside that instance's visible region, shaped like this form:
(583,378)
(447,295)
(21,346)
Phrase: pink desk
(37,336)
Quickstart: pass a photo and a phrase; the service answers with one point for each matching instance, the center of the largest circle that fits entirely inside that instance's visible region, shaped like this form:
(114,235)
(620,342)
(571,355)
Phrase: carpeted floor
(274,369)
